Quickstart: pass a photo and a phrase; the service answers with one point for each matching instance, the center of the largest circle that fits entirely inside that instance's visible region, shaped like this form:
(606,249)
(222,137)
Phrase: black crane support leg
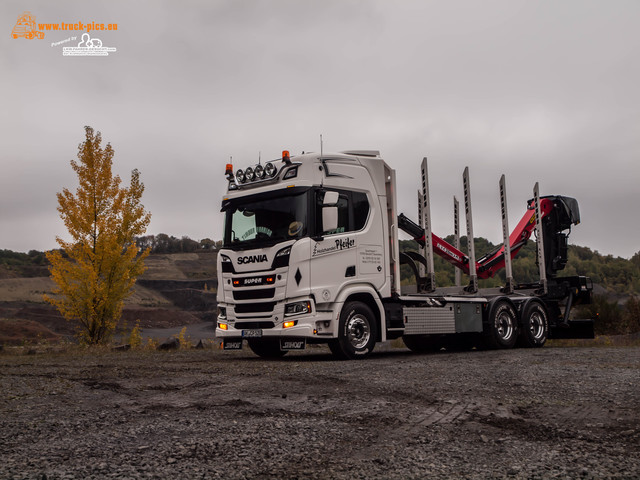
(567,310)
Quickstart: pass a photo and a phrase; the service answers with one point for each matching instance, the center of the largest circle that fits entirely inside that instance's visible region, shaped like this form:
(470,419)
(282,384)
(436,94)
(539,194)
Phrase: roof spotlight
(249,173)
(270,169)
(259,171)
(240,176)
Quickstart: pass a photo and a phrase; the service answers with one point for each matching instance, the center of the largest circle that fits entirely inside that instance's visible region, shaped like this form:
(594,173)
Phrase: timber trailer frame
(516,313)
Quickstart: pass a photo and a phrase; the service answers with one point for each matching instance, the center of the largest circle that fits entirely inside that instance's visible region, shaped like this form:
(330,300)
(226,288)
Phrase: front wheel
(356,332)
(266,348)
(502,328)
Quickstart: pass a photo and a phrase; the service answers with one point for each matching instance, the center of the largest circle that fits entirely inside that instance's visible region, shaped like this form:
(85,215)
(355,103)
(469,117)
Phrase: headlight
(222,313)
(297,308)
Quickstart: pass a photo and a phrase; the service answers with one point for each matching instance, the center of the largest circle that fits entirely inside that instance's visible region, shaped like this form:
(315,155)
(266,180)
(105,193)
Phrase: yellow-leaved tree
(95,271)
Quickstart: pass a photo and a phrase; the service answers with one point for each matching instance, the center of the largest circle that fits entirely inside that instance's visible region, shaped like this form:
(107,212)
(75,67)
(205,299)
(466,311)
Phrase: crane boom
(558,214)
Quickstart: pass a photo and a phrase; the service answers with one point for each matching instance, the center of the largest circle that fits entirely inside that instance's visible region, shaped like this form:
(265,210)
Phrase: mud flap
(232,344)
(576,329)
(287,344)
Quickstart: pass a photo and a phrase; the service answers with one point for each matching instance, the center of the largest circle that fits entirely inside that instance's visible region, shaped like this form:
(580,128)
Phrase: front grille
(246,325)
(254,294)
(258,307)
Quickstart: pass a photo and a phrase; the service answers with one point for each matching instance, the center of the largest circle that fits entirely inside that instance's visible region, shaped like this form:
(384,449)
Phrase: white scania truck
(310,255)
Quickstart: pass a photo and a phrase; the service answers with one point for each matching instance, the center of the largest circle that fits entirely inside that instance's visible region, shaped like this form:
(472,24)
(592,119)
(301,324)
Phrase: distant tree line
(611,317)
(163,243)
(33,257)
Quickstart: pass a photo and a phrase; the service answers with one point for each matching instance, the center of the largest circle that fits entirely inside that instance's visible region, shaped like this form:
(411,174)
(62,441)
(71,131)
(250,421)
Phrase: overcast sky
(545,91)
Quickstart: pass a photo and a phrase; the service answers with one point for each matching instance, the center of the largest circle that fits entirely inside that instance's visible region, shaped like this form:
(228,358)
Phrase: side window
(353,211)
(360,210)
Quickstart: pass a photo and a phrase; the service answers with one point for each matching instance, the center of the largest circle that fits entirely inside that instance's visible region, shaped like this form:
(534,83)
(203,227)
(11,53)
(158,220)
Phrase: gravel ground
(543,413)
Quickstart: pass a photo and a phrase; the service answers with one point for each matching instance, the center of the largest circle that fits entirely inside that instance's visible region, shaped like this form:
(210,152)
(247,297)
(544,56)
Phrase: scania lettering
(311,255)
(252,259)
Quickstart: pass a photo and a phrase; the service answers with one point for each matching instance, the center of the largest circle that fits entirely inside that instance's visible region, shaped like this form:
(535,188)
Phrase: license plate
(292,344)
(232,344)
(252,333)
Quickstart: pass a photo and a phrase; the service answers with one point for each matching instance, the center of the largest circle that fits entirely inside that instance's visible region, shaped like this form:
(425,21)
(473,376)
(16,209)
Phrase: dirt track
(548,413)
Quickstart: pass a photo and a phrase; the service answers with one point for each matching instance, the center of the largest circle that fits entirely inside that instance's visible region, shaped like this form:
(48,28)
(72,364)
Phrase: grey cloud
(539,91)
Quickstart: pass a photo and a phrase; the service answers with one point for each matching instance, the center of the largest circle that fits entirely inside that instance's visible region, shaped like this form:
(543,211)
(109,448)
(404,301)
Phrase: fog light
(223,326)
(289,324)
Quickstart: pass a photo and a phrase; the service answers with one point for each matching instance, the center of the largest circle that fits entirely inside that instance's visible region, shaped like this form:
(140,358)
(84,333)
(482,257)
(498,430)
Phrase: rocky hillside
(176,289)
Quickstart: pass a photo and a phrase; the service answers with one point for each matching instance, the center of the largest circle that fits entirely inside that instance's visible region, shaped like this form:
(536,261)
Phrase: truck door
(334,256)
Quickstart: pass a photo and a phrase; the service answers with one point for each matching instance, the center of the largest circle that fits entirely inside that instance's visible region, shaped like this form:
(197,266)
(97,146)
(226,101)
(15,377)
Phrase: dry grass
(632,340)
(19,332)
(31,290)
(25,289)
(180,266)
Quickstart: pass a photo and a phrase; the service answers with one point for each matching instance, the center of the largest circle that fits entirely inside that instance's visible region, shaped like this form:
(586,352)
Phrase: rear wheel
(534,325)
(357,332)
(502,328)
(266,347)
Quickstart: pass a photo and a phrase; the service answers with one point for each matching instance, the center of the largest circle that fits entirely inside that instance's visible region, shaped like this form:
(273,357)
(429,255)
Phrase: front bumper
(313,325)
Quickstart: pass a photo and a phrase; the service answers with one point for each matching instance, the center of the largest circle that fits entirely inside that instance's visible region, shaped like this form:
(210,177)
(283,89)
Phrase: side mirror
(330,211)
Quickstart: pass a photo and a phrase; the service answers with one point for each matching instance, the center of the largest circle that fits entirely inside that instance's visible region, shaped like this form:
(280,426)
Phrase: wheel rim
(358,331)
(536,325)
(504,326)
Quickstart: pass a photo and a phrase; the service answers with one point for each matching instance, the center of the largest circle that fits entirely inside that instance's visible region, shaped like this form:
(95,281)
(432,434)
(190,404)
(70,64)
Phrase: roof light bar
(256,173)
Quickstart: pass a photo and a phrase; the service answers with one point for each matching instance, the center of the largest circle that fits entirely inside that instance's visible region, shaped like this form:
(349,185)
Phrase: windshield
(257,220)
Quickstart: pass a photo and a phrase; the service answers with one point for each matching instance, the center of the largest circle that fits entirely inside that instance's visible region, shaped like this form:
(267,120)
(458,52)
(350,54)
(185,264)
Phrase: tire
(267,348)
(501,331)
(534,325)
(422,343)
(357,332)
